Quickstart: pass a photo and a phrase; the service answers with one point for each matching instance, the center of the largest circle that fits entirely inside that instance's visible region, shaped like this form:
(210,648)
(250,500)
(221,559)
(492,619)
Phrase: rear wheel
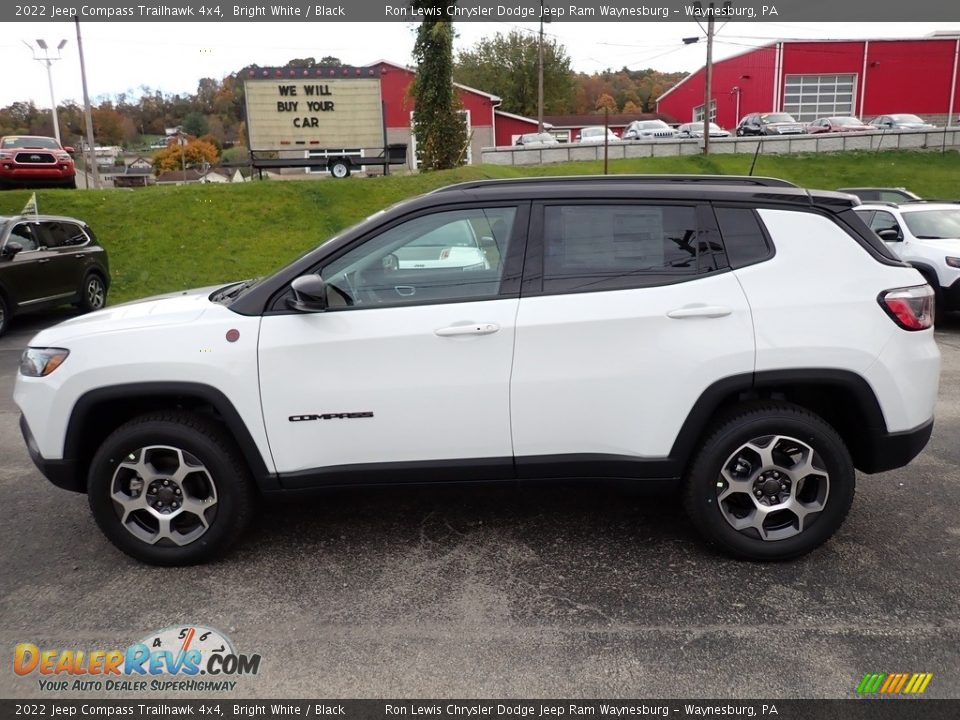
(93,294)
(772,482)
(4,315)
(170,488)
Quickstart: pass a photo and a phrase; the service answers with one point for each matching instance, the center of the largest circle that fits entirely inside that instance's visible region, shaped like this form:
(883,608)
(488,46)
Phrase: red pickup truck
(34,161)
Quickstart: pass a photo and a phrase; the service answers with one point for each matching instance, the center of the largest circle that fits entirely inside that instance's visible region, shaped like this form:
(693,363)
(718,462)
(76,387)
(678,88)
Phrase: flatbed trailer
(337,162)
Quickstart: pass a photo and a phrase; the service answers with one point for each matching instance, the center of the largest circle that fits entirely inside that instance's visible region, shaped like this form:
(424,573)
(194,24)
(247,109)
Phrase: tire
(185,466)
(796,461)
(4,315)
(340,168)
(70,184)
(93,293)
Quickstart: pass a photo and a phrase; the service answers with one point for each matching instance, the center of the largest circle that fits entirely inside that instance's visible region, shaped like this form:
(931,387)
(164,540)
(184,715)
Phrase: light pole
(48,60)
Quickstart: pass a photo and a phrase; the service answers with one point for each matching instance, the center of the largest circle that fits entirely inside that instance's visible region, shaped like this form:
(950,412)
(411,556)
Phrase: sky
(123,56)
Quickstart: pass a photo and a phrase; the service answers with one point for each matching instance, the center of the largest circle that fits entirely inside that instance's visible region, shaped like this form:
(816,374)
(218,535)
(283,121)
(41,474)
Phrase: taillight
(911,308)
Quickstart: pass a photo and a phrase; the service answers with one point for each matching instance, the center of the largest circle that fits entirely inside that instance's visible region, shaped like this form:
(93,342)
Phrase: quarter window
(611,247)
(443,257)
(743,237)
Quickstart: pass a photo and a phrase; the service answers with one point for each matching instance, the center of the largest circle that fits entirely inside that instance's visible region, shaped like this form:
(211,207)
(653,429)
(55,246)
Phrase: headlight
(40,362)
(953,261)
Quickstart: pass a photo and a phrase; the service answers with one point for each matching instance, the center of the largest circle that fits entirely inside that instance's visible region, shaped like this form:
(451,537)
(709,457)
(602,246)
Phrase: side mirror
(68,149)
(309,294)
(11,249)
(488,243)
(889,234)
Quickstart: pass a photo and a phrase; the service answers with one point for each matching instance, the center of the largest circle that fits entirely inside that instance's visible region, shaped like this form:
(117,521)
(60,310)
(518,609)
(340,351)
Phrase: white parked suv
(751,341)
(926,235)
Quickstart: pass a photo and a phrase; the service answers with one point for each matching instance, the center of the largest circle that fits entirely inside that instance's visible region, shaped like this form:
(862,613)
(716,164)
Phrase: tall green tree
(437,122)
(507,65)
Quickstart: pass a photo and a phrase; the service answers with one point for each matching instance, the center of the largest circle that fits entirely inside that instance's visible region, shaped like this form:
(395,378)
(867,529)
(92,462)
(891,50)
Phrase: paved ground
(547,591)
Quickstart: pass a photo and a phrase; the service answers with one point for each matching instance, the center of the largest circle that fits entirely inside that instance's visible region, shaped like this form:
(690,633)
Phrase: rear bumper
(888,451)
(62,473)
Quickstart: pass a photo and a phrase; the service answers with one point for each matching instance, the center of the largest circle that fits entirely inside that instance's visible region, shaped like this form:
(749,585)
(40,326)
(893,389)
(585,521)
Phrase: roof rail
(751,180)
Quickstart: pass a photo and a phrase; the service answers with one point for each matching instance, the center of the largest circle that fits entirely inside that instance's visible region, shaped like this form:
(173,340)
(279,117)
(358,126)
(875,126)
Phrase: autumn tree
(196,153)
(438,126)
(606,102)
(507,66)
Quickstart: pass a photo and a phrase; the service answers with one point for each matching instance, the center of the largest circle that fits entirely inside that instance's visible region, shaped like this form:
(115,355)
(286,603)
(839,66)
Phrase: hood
(950,245)
(170,309)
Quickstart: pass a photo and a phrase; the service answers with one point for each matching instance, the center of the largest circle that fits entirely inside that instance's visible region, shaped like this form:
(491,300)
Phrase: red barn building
(486,125)
(819,78)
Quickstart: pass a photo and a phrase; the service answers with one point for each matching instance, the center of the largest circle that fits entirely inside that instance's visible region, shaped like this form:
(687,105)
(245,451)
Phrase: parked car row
(753,124)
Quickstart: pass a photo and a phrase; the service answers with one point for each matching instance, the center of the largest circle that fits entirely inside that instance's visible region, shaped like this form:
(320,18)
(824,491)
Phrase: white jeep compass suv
(752,341)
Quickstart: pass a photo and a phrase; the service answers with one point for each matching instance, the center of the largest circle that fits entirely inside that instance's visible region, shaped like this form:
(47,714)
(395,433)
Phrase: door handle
(471,329)
(41,262)
(704,311)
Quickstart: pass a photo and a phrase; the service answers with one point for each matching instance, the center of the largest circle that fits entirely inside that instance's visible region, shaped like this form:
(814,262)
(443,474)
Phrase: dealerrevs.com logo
(183,658)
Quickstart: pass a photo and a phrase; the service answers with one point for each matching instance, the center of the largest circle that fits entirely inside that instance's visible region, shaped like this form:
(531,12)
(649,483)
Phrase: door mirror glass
(309,294)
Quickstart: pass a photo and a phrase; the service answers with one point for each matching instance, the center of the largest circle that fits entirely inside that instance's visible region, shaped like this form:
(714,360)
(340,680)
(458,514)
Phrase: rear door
(629,312)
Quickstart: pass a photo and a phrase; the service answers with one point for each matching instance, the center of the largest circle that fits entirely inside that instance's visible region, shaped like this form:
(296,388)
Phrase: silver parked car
(695,130)
(901,121)
(648,130)
(536,140)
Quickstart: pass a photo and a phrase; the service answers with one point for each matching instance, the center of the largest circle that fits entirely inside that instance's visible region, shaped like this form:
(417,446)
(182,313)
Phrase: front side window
(610,247)
(885,221)
(26,235)
(446,256)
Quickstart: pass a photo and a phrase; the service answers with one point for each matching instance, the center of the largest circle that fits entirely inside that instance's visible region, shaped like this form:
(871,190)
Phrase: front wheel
(170,488)
(772,482)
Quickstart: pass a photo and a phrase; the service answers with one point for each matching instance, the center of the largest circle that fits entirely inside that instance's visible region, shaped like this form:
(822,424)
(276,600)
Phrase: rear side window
(743,236)
(613,247)
(63,234)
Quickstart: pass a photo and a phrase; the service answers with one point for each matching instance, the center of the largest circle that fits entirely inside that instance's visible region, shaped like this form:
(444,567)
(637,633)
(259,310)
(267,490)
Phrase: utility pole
(540,74)
(87,111)
(708,82)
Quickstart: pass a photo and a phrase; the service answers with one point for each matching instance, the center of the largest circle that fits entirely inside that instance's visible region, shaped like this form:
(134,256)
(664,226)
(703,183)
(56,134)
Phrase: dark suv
(47,261)
(777,123)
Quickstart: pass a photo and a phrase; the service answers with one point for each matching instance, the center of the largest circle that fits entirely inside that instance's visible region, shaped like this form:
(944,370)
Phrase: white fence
(772,145)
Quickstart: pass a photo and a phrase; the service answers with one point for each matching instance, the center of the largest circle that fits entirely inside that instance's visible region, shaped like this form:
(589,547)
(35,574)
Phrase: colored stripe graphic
(894,683)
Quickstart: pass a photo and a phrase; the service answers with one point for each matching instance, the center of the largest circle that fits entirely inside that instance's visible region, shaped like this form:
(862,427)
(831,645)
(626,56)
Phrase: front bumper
(62,473)
(951,296)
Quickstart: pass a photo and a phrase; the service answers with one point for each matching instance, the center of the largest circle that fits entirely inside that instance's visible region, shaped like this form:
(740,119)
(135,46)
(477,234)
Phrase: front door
(409,366)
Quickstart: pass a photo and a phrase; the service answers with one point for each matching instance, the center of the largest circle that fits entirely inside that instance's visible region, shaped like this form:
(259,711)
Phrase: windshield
(777,117)
(654,125)
(934,224)
(907,119)
(30,142)
(591,132)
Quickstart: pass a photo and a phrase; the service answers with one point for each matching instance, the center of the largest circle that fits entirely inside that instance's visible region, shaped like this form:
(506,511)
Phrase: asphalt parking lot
(552,590)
